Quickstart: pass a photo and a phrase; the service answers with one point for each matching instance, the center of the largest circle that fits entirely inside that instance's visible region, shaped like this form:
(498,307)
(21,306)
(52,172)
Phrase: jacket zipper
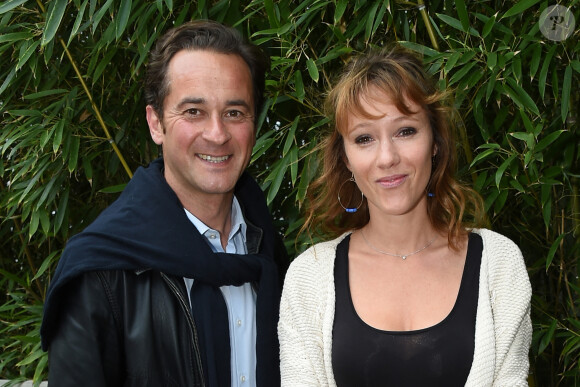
(186,309)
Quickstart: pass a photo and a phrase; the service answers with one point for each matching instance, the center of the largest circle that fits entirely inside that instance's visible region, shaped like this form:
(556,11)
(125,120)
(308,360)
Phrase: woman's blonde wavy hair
(398,73)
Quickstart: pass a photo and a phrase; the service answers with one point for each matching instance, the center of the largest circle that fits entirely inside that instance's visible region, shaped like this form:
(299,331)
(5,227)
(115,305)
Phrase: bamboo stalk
(428,25)
(93,104)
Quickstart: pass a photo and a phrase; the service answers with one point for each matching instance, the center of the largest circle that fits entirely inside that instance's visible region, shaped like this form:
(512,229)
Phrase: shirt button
(240,324)
(243,378)
(212,236)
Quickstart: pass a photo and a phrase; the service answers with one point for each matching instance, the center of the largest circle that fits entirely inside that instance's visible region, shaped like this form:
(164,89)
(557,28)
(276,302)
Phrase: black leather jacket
(130,328)
(126,328)
(117,312)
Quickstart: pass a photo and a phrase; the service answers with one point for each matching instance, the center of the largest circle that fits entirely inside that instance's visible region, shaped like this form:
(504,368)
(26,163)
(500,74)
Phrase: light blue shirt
(240,300)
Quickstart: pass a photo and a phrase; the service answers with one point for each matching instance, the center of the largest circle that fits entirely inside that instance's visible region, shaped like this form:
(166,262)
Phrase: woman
(411,292)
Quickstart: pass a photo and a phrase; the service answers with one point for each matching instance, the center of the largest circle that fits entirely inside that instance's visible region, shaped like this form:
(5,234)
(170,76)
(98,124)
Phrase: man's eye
(192,112)
(364,139)
(235,115)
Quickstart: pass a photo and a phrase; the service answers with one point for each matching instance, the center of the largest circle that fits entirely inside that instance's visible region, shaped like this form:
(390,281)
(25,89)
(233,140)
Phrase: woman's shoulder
(501,257)
(495,241)
(317,257)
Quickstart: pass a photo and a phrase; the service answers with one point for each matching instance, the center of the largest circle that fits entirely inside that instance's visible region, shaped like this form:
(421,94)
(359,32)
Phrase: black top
(440,355)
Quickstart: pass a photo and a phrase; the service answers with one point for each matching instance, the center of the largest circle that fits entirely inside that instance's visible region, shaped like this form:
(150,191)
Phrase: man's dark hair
(202,35)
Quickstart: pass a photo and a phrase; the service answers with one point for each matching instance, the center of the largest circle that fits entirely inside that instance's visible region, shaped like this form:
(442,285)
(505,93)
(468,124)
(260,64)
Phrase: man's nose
(216,131)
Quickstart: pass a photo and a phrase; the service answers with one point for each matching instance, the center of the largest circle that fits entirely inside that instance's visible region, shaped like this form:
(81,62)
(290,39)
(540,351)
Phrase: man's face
(207,130)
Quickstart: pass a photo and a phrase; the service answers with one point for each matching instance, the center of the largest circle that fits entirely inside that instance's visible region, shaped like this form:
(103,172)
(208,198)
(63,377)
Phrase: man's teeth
(213,159)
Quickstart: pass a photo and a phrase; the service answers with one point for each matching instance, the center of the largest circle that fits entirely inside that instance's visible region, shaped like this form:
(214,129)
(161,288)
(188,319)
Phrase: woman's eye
(405,132)
(364,139)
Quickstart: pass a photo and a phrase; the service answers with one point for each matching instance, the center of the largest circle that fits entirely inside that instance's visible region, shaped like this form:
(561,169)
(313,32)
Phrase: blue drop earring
(350,209)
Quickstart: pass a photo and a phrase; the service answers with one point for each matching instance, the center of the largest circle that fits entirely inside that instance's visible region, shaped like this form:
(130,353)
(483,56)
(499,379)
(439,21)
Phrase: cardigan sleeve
(304,303)
(510,296)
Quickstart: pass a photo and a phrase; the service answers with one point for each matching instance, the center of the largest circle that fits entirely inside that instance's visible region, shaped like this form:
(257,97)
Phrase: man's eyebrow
(238,102)
(192,101)
(201,101)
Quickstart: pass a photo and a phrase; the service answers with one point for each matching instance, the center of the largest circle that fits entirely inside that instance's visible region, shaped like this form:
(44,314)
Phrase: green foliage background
(73,129)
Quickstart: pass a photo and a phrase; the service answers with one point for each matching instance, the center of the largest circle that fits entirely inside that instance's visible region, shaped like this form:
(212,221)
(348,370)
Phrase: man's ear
(155,125)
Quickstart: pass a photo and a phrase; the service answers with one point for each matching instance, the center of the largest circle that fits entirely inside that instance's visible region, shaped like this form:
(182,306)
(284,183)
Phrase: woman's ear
(435,150)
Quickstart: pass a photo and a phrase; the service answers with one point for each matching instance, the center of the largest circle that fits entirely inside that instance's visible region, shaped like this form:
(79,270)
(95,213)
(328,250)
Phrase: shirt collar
(236,217)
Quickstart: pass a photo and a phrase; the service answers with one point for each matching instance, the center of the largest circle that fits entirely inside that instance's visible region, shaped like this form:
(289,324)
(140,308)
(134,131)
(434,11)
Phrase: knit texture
(503,329)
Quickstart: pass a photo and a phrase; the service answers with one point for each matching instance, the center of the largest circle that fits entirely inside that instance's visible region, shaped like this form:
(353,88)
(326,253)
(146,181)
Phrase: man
(176,283)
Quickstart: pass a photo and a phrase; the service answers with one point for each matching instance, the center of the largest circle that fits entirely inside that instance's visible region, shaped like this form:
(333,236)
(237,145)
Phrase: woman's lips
(392,181)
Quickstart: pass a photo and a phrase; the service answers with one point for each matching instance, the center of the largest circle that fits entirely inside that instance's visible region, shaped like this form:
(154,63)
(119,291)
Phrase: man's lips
(392,181)
(213,159)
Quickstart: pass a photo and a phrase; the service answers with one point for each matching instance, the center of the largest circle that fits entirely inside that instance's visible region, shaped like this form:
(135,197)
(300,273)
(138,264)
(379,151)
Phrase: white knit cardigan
(503,329)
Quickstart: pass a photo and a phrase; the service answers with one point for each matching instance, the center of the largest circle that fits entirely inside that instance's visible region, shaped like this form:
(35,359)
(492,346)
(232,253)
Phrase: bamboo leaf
(294,165)
(535,60)
(549,139)
(78,21)
(122,17)
(488,26)
(524,136)
(24,56)
(15,37)
(451,61)
(56,10)
(547,212)
(100,13)
(270,11)
(462,13)
(520,7)
(61,210)
(73,154)
(491,60)
(424,50)
(58,133)
(481,156)
(102,65)
(456,24)
(500,200)
(262,148)
(547,337)
(339,11)
(10,5)
(44,221)
(45,93)
(113,189)
(524,97)
(566,89)
(33,224)
(450,21)
(299,84)
(290,136)
(461,73)
(502,168)
(277,176)
(334,53)
(370,19)
(544,70)
(312,70)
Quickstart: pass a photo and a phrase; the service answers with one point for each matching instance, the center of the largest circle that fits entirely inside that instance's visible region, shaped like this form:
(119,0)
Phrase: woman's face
(390,155)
